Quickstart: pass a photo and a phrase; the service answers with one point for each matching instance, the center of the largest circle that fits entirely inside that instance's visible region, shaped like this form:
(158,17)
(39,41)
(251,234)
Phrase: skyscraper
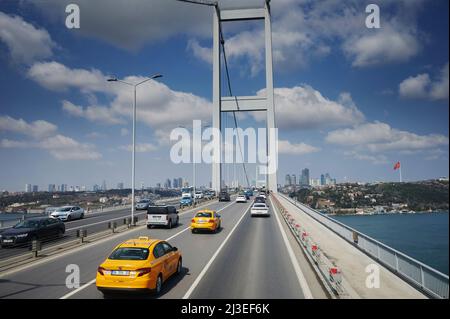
(175,183)
(322,180)
(294,179)
(27,188)
(51,188)
(304,179)
(120,185)
(288,180)
(35,188)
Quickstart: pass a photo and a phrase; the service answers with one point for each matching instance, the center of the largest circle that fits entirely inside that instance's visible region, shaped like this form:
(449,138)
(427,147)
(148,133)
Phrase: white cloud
(415,87)
(306,30)
(99,114)
(56,76)
(303,107)
(130,26)
(422,87)
(157,105)
(203,53)
(65,148)
(24,42)
(7,143)
(439,88)
(380,137)
(286,147)
(140,147)
(36,129)
(384,46)
(43,135)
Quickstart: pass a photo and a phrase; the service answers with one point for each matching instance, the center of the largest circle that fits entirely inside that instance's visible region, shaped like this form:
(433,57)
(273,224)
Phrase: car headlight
(22,235)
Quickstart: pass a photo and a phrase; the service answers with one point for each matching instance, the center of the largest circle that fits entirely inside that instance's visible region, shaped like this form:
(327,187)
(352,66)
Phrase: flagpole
(400,171)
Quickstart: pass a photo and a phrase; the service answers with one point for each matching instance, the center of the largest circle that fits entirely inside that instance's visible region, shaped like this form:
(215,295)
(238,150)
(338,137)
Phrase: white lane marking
(205,269)
(300,276)
(70,294)
(77,249)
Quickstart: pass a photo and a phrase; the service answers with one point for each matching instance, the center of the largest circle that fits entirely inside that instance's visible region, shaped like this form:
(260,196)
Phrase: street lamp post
(193,160)
(133,156)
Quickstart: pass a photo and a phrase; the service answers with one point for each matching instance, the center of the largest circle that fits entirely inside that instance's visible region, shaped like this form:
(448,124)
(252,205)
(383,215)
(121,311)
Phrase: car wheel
(178,221)
(158,287)
(60,234)
(170,224)
(179,265)
(82,216)
(149,226)
(69,218)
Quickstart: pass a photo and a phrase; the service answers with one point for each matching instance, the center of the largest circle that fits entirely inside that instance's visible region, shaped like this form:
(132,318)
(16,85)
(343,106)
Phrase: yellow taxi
(141,264)
(206,220)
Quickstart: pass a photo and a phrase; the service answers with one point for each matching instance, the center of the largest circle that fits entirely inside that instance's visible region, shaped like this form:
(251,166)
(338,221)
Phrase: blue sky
(350,101)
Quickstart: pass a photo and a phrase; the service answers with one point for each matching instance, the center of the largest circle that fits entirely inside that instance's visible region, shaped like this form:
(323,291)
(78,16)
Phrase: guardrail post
(114,226)
(36,246)
(82,233)
(396,262)
(422,276)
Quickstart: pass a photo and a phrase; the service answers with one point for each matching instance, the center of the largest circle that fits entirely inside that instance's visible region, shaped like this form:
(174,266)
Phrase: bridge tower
(244,103)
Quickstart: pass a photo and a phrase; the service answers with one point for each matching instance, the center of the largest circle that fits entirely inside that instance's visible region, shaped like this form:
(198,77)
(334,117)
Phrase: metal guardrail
(328,272)
(82,233)
(427,279)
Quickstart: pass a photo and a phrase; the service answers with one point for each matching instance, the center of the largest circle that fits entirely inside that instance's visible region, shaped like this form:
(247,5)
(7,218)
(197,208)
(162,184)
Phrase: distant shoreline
(397,213)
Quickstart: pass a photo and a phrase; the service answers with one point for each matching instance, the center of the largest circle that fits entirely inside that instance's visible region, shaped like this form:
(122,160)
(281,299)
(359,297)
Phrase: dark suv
(38,228)
(224,196)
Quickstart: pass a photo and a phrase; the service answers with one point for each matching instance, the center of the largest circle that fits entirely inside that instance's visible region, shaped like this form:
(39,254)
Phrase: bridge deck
(352,261)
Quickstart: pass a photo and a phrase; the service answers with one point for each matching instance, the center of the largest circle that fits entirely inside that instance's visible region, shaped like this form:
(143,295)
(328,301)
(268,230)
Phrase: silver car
(143,204)
(68,213)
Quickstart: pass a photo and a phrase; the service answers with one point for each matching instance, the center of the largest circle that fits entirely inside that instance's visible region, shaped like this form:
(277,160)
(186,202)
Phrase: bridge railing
(431,281)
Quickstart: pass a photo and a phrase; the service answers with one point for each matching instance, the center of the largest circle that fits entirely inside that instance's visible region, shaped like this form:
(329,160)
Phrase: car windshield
(157,210)
(144,201)
(64,209)
(186,197)
(27,224)
(204,215)
(129,253)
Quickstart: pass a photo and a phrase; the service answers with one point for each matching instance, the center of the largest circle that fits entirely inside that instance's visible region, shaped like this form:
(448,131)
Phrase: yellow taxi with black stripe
(206,219)
(141,264)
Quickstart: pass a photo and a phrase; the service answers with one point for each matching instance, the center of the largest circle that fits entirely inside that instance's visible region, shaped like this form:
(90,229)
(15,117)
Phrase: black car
(224,197)
(260,199)
(38,228)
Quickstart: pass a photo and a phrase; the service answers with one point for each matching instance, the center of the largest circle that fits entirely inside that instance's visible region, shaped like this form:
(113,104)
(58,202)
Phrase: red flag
(396,166)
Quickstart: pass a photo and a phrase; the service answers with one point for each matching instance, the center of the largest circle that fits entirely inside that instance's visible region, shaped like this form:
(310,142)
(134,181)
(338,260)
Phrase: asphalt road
(93,223)
(246,259)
